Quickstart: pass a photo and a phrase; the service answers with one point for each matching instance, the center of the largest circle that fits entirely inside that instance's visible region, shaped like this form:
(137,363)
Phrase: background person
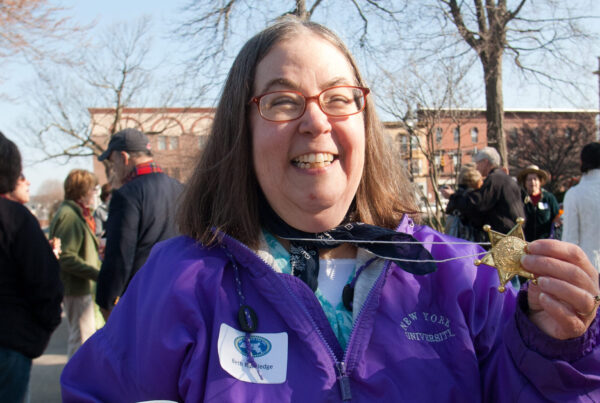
(20,193)
(74,225)
(498,201)
(101,212)
(231,312)
(541,207)
(141,213)
(581,218)
(30,287)
(457,225)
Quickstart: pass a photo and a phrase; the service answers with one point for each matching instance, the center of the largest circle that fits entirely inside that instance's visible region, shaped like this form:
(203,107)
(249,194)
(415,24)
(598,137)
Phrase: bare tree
(526,32)
(117,73)
(435,92)
(540,37)
(214,29)
(35,29)
(557,148)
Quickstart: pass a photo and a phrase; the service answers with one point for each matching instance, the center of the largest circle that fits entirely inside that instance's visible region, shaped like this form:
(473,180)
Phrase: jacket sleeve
(71,231)
(154,334)
(525,365)
(570,219)
(121,243)
(483,199)
(40,273)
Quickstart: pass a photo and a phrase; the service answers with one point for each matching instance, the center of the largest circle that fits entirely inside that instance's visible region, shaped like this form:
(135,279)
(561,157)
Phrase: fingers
(563,261)
(576,298)
(567,284)
(557,319)
(563,251)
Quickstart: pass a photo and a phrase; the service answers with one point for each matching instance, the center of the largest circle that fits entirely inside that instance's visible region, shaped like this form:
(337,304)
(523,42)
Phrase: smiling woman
(304,276)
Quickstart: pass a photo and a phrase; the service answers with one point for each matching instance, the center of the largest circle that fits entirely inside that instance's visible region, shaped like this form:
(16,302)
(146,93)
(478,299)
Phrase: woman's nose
(314,120)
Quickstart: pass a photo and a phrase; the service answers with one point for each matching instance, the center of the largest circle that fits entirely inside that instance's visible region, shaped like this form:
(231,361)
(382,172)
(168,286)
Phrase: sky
(163,13)
(103,13)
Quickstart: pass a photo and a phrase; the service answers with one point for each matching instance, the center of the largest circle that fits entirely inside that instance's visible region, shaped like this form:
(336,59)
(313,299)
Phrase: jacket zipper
(340,366)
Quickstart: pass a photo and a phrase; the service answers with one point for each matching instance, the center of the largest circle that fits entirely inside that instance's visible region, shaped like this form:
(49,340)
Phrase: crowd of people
(293,266)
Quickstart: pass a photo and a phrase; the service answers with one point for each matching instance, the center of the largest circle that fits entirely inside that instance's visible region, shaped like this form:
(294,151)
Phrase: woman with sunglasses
(30,287)
(303,275)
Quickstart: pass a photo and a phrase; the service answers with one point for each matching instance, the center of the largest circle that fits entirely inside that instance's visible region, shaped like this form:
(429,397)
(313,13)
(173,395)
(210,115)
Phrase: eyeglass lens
(288,105)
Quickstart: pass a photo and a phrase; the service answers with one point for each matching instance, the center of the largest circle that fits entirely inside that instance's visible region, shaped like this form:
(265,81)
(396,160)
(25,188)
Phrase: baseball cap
(128,140)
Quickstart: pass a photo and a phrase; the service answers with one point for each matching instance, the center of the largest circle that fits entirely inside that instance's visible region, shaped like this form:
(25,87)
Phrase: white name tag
(270,351)
(542,206)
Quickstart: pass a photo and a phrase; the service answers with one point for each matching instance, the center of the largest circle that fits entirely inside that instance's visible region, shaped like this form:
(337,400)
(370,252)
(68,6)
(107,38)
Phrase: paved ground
(45,373)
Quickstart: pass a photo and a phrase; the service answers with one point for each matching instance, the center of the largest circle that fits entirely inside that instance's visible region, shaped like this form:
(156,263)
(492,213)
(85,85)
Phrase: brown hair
(469,177)
(78,183)
(223,193)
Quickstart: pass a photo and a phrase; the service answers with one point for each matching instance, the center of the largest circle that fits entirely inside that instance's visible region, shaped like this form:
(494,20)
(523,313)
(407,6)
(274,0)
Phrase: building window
(474,135)
(438,134)
(416,167)
(404,144)
(202,141)
(162,143)
(413,143)
(514,134)
(456,134)
(173,143)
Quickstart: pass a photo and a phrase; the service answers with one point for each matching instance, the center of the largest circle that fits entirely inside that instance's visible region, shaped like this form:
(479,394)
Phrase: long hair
(10,165)
(223,192)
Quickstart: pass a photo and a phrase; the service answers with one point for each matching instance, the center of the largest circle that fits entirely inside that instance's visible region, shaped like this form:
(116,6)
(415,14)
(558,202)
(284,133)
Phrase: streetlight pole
(597,72)
(409,121)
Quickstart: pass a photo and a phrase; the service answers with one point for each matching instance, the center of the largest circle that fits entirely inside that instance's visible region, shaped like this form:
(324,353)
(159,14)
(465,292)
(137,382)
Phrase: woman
(232,312)
(20,193)
(582,215)
(541,207)
(456,224)
(30,288)
(74,225)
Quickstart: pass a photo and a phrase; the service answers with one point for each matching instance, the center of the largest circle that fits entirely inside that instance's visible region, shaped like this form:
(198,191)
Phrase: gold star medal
(506,252)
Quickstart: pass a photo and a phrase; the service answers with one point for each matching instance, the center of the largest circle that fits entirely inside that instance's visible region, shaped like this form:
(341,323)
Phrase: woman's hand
(563,304)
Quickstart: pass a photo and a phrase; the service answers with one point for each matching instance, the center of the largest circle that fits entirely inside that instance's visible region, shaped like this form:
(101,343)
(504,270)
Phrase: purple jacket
(447,337)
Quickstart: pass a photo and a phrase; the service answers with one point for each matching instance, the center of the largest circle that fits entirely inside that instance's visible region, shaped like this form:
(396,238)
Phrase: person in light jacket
(581,218)
(303,274)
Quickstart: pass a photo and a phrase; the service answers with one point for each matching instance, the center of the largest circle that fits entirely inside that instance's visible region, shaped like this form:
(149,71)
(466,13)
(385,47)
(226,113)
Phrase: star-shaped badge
(506,252)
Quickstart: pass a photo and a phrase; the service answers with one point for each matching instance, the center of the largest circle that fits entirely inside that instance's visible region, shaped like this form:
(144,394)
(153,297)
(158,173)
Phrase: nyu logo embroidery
(259,346)
(434,328)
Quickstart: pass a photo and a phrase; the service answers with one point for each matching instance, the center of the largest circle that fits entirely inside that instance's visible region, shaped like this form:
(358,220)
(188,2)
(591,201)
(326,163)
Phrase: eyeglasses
(22,176)
(285,106)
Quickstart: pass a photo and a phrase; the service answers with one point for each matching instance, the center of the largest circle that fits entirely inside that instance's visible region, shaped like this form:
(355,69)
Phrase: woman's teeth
(313,160)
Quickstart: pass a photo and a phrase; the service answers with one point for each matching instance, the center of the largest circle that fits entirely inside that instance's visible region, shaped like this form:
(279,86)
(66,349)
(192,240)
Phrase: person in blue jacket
(303,274)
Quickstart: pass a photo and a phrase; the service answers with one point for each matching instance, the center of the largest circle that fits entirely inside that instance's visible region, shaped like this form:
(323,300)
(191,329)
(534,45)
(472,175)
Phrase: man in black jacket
(30,286)
(498,202)
(141,213)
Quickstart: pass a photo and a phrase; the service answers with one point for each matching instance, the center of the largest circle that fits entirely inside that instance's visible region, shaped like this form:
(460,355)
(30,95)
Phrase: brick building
(176,134)
(457,135)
